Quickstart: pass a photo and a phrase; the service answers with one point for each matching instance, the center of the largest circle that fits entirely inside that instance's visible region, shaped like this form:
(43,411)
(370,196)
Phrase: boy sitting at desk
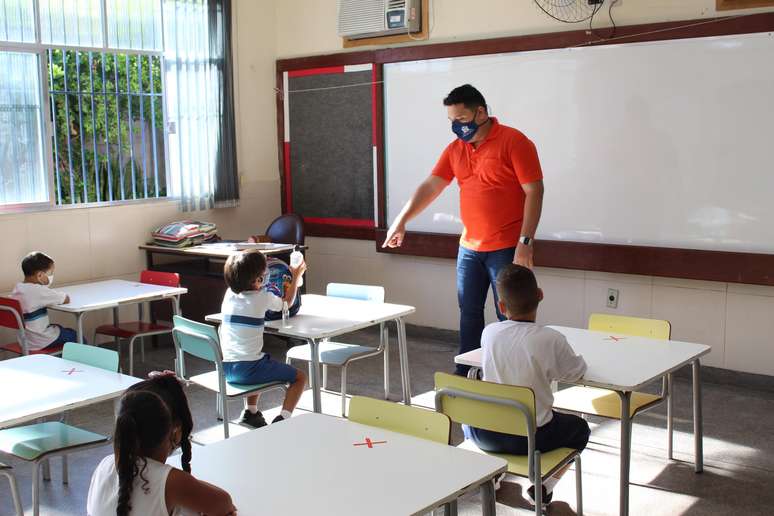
(519,352)
(241,333)
(35,296)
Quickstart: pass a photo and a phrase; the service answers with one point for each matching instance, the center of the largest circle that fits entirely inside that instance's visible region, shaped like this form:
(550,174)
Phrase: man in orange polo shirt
(501,196)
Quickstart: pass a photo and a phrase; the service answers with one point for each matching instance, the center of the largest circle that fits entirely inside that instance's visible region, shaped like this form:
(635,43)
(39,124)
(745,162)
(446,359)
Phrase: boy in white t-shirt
(241,333)
(35,296)
(519,352)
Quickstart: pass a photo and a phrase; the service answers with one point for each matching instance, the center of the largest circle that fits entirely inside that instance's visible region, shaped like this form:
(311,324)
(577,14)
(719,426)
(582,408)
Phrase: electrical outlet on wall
(612,298)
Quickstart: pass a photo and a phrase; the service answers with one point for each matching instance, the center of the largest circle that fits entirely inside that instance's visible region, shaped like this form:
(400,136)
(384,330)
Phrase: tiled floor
(738,449)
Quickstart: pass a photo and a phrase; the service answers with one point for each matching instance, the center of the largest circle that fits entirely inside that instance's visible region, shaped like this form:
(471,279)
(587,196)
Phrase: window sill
(18,209)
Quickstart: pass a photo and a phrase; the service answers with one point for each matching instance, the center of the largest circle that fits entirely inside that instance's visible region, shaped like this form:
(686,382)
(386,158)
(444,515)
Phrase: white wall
(97,243)
(734,319)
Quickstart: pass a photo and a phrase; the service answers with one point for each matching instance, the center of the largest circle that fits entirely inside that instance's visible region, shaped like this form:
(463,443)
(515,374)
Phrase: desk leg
(404,365)
(314,379)
(697,421)
(670,416)
(626,451)
(79,326)
(488,503)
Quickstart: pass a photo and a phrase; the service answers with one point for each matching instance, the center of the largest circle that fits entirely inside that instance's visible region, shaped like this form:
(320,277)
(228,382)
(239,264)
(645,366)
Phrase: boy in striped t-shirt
(241,333)
(35,296)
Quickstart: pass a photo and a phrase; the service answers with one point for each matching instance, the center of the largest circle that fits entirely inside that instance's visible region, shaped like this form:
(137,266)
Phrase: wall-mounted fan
(570,11)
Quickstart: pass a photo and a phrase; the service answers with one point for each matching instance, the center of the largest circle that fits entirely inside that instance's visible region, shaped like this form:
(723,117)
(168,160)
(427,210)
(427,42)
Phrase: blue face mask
(465,131)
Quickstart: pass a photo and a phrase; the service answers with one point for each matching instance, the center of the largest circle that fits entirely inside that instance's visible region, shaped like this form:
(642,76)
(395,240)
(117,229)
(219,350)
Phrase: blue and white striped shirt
(241,332)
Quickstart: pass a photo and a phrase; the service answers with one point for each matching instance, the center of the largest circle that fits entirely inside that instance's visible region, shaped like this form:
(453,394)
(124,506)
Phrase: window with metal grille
(82,104)
(107,126)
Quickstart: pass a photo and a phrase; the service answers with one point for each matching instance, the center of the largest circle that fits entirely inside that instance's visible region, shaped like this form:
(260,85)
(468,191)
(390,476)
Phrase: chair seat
(127,330)
(210,381)
(331,353)
(32,441)
(519,465)
(601,402)
(15,347)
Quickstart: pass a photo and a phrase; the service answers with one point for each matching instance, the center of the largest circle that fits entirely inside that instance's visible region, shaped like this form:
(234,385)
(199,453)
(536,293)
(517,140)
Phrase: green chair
(507,409)
(5,471)
(403,419)
(94,356)
(341,354)
(201,340)
(39,442)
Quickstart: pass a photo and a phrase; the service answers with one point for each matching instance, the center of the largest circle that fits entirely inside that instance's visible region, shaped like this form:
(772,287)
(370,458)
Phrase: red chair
(139,329)
(11,317)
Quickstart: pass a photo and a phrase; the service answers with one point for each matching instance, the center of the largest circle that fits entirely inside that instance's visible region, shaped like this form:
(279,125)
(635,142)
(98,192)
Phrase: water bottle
(285,314)
(296,257)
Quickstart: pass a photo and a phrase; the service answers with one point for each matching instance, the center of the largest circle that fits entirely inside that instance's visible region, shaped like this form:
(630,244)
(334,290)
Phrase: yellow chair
(507,409)
(604,403)
(400,418)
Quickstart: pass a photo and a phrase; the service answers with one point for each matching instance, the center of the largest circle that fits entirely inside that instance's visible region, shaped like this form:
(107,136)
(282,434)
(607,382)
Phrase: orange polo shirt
(490,179)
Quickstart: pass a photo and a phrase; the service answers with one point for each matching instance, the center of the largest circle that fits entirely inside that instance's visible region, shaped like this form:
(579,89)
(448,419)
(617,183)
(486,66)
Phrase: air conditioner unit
(371,18)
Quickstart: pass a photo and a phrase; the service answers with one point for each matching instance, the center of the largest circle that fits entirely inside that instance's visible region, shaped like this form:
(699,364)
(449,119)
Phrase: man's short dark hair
(467,95)
(36,262)
(517,288)
(242,269)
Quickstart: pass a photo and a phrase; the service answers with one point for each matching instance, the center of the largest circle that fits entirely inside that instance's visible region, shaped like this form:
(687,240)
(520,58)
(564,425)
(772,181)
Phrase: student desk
(88,297)
(623,364)
(36,386)
(316,464)
(324,317)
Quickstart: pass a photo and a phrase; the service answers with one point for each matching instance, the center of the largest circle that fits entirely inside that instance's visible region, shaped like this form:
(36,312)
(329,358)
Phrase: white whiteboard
(668,144)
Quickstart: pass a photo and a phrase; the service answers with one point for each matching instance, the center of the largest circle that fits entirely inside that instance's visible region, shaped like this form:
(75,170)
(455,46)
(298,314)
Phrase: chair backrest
(634,326)
(106,359)
(287,229)
(11,313)
(165,279)
(351,291)
(197,339)
(403,419)
(497,407)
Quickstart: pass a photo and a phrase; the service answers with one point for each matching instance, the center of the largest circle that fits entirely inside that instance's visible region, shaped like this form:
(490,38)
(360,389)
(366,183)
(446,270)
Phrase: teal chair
(7,473)
(39,442)
(201,340)
(340,354)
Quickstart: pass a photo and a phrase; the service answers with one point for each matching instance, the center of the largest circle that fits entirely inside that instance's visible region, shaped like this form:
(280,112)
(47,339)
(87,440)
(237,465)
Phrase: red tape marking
(368,442)
(315,71)
(358,223)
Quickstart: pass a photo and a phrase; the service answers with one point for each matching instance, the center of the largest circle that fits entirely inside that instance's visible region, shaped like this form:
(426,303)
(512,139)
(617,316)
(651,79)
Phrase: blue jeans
(476,271)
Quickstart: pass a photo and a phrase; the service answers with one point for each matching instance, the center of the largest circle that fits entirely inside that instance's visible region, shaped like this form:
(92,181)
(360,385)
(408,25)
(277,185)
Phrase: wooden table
(324,317)
(622,363)
(315,464)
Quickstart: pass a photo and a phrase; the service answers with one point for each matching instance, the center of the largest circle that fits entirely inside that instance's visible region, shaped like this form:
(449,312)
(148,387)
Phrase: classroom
(386,257)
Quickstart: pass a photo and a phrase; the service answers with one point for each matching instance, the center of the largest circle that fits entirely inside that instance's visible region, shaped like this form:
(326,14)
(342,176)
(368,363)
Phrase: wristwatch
(525,240)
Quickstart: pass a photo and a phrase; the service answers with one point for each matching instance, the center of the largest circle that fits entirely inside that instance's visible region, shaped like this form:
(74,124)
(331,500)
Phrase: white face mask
(50,279)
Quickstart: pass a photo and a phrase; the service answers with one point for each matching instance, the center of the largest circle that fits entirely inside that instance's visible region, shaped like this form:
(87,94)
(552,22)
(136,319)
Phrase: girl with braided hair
(136,480)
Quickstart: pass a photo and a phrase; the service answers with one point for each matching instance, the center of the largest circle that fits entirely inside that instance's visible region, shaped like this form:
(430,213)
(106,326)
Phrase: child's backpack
(278,276)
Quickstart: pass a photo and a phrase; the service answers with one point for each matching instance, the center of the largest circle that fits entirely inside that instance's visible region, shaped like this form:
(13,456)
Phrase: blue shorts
(65,335)
(260,371)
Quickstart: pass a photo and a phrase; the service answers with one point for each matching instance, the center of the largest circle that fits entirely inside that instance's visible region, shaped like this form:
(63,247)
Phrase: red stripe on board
(288,185)
(359,223)
(316,71)
(373,104)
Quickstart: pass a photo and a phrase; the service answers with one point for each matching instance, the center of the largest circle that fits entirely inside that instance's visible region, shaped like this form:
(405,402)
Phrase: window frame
(40,49)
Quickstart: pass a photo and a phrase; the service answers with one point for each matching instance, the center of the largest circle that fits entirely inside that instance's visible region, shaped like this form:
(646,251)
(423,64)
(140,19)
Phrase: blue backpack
(277,276)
